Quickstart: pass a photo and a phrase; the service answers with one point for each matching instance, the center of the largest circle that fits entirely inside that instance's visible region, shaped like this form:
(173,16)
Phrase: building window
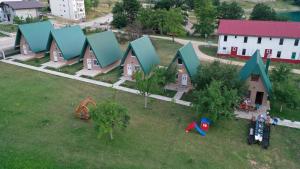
(244,52)
(245,39)
(293,55)
(96,62)
(259,40)
(296,42)
(225,38)
(278,54)
(235,37)
(270,38)
(281,41)
(254,78)
(179,61)
(224,48)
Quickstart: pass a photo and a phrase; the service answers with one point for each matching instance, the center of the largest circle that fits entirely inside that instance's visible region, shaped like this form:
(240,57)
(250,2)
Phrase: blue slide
(200,131)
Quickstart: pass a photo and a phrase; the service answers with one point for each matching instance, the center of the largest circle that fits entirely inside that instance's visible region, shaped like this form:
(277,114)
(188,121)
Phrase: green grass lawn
(38,62)
(8,27)
(110,77)
(166,50)
(38,130)
(69,69)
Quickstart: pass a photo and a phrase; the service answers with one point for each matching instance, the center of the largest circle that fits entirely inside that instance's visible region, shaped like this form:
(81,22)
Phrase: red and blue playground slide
(202,129)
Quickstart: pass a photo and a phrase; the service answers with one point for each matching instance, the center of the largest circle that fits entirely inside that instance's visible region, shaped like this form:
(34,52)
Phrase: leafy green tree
(284,88)
(215,101)
(228,74)
(147,83)
(109,116)
(125,13)
(262,11)
(206,17)
(88,4)
(119,17)
(230,11)
(173,23)
(131,8)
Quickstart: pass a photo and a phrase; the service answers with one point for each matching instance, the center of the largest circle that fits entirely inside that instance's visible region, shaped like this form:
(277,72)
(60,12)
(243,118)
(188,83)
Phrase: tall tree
(228,74)
(173,24)
(262,11)
(131,8)
(284,88)
(230,11)
(109,116)
(206,17)
(125,12)
(119,17)
(147,84)
(214,101)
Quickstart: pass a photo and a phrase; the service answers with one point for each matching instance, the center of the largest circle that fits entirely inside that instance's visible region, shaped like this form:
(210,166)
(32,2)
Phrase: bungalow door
(55,56)
(234,51)
(268,52)
(25,50)
(184,79)
(89,64)
(129,69)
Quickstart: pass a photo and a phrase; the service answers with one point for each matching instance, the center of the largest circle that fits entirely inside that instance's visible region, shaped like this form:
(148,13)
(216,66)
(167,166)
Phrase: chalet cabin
(255,74)
(140,55)
(241,38)
(66,45)
(101,52)
(32,38)
(186,63)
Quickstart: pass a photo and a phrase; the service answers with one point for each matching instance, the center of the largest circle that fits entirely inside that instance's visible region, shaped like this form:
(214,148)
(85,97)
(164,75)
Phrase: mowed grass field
(38,130)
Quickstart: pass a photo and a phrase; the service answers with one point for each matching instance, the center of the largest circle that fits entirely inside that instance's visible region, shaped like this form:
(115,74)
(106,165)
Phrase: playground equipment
(82,110)
(204,126)
(259,131)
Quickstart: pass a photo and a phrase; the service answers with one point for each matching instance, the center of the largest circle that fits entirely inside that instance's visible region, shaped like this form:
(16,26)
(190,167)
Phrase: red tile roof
(259,28)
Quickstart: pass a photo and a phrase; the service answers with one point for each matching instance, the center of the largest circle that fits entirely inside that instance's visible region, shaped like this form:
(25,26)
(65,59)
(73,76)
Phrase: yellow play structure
(82,110)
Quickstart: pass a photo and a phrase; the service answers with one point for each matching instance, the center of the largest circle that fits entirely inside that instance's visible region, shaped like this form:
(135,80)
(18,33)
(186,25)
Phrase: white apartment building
(278,40)
(68,9)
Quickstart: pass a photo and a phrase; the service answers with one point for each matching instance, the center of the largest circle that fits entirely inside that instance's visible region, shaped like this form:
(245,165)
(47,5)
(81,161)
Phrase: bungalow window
(225,38)
(224,48)
(254,78)
(245,39)
(244,52)
(179,61)
(278,54)
(235,37)
(96,62)
(296,42)
(281,41)
(137,67)
(259,40)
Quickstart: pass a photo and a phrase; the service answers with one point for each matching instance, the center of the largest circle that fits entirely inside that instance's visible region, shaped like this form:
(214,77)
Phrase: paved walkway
(244,115)
(205,57)
(118,83)
(178,95)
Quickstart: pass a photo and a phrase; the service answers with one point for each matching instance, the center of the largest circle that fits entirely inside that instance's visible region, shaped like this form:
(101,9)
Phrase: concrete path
(118,83)
(178,95)
(286,123)
(205,57)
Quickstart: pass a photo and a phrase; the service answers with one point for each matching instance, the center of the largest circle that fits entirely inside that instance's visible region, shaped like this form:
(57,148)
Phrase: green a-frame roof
(145,53)
(256,66)
(70,40)
(189,58)
(105,47)
(36,35)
